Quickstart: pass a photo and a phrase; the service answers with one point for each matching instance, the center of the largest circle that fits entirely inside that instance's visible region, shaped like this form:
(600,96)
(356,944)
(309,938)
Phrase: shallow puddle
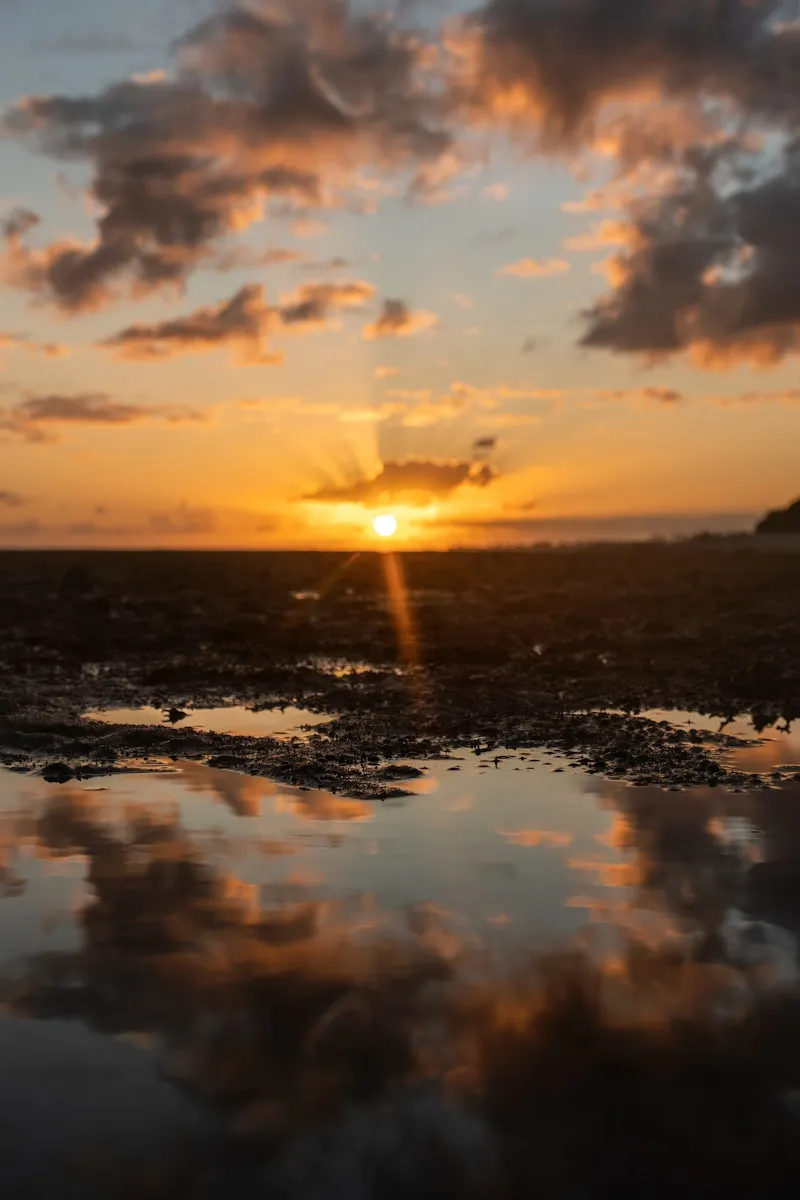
(235,720)
(490,851)
(774,748)
(210,930)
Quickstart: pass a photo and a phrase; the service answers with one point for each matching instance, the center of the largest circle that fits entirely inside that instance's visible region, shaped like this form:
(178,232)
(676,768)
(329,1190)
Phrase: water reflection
(288,958)
(773,746)
(235,720)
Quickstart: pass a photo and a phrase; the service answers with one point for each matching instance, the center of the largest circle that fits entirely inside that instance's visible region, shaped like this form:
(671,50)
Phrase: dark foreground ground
(486,649)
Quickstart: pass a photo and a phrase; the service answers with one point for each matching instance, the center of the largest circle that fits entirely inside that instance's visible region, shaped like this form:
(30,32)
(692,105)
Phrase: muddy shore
(414,655)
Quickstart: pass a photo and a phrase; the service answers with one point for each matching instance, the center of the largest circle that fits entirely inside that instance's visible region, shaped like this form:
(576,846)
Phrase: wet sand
(414,654)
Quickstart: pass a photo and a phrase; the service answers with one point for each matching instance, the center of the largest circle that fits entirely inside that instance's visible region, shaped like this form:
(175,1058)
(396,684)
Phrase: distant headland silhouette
(781,520)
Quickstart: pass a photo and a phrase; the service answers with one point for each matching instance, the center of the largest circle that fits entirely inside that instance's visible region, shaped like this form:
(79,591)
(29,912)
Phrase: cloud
(37,418)
(708,271)
(246,258)
(421,408)
(529,268)
(497,191)
(242,323)
(313,303)
(386,372)
(698,106)
(11,500)
(183,519)
(415,481)
(645,395)
(337,263)
(536,837)
(397,320)
(790,397)
(555,66)
(15,341)
(20,529)
(462,300)
(291,104)
(483,446)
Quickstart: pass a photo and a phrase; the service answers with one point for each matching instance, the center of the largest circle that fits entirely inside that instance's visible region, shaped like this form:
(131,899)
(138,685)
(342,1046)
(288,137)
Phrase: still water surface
(176,928)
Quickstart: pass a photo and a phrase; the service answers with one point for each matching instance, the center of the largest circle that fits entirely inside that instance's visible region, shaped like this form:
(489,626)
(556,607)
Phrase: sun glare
(385,525)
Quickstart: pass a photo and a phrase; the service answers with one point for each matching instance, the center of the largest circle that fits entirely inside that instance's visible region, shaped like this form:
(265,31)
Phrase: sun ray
(400,606)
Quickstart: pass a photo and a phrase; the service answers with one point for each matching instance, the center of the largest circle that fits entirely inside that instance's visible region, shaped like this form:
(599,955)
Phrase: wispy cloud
(536,837)
(530,268)
(40,418)
(23,341)
(246,258)
(183,519)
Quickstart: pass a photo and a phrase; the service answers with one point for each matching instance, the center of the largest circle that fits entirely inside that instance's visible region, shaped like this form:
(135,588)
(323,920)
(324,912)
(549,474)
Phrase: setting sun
(385,525)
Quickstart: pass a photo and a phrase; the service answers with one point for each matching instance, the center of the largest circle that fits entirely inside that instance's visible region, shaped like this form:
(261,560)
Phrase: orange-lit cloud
(180,160)
(529,268)
(241,323)
(415,481)
(609,874)
(396,319)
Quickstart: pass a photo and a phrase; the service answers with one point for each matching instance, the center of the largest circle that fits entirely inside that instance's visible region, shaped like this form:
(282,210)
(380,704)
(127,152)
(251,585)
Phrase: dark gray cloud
(566,60)
(11,500)
(288,104)
(393,317)
(244,323)
(483,447)
(709,264)
(414,481)
(710,271)
(38,418)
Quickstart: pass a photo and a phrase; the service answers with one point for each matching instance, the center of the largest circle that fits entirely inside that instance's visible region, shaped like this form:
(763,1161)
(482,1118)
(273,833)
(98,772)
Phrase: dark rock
(57,773)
